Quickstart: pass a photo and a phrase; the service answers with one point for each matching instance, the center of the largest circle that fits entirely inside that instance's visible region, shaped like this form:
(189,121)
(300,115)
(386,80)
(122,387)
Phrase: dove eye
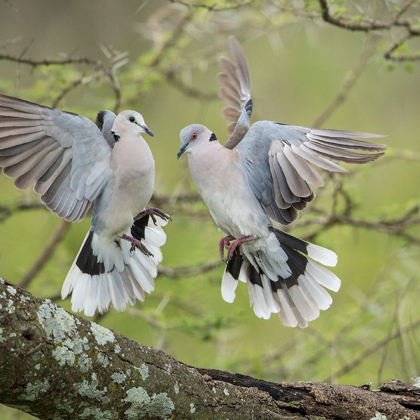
(132,119)
(194,136)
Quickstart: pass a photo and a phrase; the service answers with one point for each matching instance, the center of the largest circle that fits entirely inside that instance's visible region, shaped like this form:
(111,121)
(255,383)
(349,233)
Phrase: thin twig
(46,254)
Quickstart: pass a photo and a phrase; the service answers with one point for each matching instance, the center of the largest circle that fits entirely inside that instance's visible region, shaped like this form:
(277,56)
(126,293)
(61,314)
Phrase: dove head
(130,123)
(194,137)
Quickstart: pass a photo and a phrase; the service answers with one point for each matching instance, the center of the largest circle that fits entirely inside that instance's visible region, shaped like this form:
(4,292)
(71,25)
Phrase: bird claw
(152,212)
(236,243)
(137,244)
(224,243)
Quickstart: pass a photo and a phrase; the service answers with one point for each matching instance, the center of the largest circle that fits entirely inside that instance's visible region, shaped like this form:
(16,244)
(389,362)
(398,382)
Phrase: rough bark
(56,365)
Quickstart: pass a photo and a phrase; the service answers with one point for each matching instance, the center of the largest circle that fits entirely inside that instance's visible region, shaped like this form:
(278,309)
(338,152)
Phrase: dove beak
(181,151)
(147,130)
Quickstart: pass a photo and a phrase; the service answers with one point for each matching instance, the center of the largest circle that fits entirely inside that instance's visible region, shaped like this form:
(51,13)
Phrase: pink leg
(136,243)
(238,242)
(152,212)
(224,243)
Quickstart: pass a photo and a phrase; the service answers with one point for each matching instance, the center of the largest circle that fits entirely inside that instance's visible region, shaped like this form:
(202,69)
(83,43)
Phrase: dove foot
(137,244)
(224,243)
(152,212)
(238,242)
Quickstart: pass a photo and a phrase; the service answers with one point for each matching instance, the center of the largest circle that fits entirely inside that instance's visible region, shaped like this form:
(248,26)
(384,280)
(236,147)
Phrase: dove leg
(152,212)
(238,242)
(224,243)
(137,244)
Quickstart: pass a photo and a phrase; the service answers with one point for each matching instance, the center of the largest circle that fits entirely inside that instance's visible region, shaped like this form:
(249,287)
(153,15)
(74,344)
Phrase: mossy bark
(56,365)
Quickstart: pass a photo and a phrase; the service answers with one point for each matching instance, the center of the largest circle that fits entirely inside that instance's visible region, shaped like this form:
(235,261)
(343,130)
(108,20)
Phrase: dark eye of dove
(132,119)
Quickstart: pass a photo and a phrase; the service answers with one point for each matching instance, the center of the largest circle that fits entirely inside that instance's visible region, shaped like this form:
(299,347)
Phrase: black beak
(147,130)
(182,150)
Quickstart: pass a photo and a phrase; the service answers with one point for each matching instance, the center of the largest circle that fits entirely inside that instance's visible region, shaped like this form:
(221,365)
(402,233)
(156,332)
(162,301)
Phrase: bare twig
(373,348)
(46,254)
(214,7)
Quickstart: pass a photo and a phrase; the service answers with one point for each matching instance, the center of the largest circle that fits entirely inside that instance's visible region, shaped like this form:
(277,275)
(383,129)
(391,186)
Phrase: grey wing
(63,155)
(235,90)
(278,161)
(105,121)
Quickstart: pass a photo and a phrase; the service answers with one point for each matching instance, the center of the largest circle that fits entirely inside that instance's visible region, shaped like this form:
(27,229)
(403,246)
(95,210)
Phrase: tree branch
(59,365)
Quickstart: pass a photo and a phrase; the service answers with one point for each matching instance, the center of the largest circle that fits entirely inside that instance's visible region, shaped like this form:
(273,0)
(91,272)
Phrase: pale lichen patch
(10,308)
(64,356)
(176,388)
(1,281)
(56,322)
(90,390)
(143,370)
(161,406)
(379,416)
(102,335)
(118,377)
(95,413)
(84,363)
(138,398)
(141,404)
(103,359)
(33,390)
(226,392)
(1,336)
(168,368)
(11,290)
(24,298)
(192,408)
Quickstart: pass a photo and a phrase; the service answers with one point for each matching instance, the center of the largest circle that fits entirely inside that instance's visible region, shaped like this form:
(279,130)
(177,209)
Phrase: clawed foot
(225,243)
(137,244)
(152,212)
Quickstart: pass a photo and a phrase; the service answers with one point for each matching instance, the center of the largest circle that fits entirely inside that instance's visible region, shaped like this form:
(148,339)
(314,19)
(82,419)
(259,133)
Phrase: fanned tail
(105,273)
(285,279)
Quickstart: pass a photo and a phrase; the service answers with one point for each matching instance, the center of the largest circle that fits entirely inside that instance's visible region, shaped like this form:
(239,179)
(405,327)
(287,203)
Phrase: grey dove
(264,172)
(75,164)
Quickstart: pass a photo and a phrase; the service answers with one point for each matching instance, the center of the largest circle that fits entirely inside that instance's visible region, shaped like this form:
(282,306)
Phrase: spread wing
(235,90)
(278,161)
(63,155)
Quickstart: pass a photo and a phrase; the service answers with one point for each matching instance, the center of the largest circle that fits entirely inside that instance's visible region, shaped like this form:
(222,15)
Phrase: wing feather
(277,161)
(235,90)
(45,147)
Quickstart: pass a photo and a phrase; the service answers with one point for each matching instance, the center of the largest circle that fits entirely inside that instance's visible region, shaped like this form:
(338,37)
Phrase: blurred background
(160,58)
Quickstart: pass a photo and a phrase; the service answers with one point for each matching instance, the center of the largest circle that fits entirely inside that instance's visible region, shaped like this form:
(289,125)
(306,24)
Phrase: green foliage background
(297,68)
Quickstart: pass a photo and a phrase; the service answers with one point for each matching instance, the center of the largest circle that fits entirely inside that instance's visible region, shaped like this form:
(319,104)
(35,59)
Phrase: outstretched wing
(278,160)
(235,90)
(63,155)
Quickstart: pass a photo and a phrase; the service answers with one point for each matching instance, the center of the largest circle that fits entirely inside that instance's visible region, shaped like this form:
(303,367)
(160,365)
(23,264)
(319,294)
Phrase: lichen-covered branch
(57,365)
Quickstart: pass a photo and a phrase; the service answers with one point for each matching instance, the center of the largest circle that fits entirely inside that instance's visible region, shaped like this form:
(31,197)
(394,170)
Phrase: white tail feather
(229,285)
(128,275)
(322,255)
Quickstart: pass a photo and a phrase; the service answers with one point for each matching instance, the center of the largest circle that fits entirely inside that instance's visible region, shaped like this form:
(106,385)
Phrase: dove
(75,165)
(261,175)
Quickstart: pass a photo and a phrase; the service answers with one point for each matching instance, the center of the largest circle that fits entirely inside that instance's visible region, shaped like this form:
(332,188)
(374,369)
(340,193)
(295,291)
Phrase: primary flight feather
(264,172)
(75,164)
